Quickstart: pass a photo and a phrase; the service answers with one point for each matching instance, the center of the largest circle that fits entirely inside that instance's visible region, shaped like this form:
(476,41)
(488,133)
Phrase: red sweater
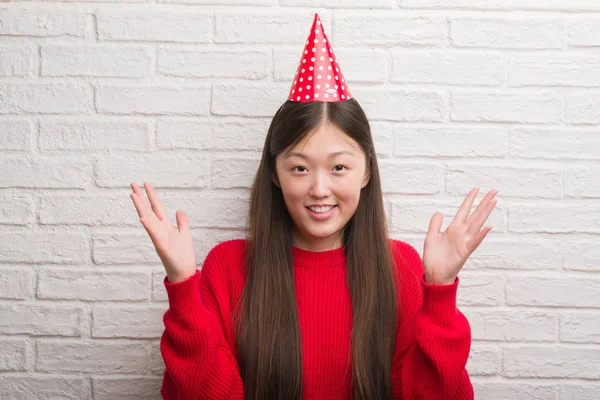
(432,345)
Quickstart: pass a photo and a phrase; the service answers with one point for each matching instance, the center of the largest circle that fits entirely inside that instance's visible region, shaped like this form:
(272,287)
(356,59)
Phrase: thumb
(435,225)
(182,221)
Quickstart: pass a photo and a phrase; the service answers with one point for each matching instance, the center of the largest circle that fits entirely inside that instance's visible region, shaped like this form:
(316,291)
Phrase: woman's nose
(320,186)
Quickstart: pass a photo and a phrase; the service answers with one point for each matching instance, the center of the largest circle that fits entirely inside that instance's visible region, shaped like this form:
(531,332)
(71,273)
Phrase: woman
(317,302)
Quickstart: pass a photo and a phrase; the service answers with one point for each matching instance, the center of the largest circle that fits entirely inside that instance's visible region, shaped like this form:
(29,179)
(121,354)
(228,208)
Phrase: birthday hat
(318,77)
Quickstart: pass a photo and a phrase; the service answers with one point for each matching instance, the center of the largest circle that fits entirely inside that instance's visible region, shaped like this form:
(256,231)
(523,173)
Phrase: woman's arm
(433,338)
(199,361)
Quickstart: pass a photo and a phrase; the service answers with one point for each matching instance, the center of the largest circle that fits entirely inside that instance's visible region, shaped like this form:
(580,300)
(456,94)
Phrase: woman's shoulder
(407,258)
(226,257)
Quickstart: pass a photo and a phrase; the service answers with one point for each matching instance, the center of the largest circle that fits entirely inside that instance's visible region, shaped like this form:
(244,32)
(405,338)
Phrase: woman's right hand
(174,245)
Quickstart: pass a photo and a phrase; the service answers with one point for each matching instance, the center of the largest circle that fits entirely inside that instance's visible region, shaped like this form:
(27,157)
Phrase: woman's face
(321,179)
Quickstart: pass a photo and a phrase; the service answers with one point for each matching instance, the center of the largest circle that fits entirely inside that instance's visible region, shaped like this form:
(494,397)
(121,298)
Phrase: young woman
(317,302)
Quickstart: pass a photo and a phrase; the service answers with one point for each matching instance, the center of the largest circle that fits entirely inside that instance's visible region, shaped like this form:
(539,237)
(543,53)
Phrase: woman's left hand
(444,254)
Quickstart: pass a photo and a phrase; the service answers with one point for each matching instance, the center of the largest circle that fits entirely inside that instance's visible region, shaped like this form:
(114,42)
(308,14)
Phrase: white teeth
(321,209)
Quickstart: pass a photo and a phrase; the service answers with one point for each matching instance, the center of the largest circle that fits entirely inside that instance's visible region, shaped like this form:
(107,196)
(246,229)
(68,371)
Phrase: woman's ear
(275,179)
(366,178)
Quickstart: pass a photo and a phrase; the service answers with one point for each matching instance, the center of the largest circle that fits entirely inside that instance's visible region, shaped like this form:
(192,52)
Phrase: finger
(435,224)
(182,221)
(141,205)
(150,226)
(157,206)
(465,207)
(482,212)
(474,244)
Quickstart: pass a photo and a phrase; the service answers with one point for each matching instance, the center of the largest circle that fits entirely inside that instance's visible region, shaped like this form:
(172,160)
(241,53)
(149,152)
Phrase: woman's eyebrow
(331,155)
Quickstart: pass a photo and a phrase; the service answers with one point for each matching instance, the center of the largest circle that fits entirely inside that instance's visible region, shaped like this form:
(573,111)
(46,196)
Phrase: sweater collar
(307,258)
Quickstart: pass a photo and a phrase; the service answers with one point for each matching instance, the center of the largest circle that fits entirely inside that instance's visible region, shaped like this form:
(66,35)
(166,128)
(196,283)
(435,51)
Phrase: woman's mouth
(321,212)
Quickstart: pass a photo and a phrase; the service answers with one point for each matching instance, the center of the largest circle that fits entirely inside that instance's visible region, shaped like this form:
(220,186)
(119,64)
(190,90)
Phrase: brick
(581,255)
(270,26)
(519,390)
(581,181)
(16,60)
(499,33)
(13,356)
(447,141)
(522,107)
(230,173)
(339,3)
(44,320)
(415,217)
(212,134)
(100,61)
(15,134)
(94,135)
(16,210)
(247,64)
(41,173)
(93,285)
(382,133)
(553,291)
(127,322)
(154,100)
(551,362)
(582,108)
(111,248)
(579,391)
(510,253)
(15,283)
(582,5)
(580,327)
(40,22)
(158,24)
(554,70)
(249,100)
(28,386)
(529,182)
(400,105)
(554,218)
(512,325)
(381,28)
(225,2)
(448,67)
(45,98)
(87,210)
(480,290)
(127,388)
(583,32)
(411,178)
(127,248)
(484,360)
(178,172)
(55,247)
(96,357)
(553,143)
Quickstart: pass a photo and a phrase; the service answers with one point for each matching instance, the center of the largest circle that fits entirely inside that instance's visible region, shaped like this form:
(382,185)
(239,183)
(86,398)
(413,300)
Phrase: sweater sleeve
(199,361)
(433,338)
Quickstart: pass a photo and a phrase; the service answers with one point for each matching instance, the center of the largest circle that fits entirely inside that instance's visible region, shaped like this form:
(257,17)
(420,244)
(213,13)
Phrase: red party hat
(319,77)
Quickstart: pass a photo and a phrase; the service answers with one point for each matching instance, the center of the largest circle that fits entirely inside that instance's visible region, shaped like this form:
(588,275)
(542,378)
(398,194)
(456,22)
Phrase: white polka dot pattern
(318,57)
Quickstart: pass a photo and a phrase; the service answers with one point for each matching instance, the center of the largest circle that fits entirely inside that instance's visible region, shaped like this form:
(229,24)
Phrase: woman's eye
(339,168)
(299,168)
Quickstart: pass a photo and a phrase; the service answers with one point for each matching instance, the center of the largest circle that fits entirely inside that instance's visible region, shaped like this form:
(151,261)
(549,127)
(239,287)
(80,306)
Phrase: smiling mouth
(322,209)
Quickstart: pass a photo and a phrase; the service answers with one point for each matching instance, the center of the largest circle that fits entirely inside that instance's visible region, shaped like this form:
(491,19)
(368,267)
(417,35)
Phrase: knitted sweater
(432,343)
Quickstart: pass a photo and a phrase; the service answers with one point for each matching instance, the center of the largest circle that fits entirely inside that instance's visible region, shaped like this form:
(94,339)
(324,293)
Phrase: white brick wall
(96,94)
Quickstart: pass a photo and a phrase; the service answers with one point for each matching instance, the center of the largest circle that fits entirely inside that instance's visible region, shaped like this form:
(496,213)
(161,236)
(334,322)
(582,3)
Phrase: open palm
(444,254)
(174,244)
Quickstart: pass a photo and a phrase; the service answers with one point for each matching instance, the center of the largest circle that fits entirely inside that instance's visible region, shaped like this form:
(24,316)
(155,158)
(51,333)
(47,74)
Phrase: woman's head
(319,155)
(315,154)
